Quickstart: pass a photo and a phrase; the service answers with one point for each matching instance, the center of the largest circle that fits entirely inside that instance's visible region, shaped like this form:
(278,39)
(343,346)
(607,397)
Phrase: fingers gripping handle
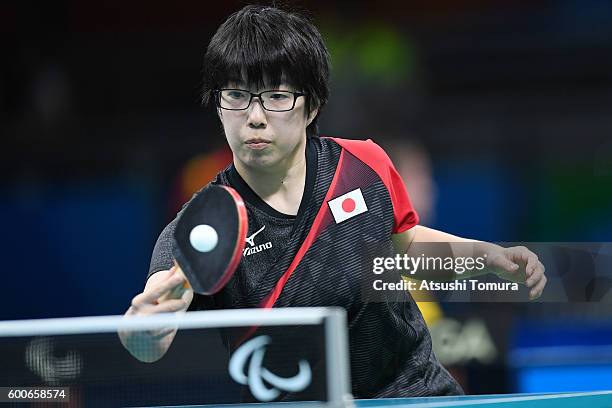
(178,291)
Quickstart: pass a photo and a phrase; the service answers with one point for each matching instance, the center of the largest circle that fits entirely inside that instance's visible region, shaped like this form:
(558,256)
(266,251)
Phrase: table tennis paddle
(209,239)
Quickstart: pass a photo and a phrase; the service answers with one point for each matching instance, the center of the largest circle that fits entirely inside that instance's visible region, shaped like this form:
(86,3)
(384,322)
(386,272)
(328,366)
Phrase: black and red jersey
(354,201)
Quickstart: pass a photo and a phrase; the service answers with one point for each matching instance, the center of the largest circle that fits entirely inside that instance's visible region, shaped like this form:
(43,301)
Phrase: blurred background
(498,115)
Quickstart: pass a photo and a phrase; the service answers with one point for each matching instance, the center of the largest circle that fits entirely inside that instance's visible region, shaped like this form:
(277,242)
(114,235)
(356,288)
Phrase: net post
(338,375)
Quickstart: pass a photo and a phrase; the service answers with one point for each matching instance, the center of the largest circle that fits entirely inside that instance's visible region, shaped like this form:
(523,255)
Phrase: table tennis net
(217,357)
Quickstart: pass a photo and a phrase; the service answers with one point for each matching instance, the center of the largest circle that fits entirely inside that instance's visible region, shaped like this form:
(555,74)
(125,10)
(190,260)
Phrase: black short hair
(269,43)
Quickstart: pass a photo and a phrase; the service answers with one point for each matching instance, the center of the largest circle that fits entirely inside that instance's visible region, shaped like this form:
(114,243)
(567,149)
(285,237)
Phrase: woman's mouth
(257,143)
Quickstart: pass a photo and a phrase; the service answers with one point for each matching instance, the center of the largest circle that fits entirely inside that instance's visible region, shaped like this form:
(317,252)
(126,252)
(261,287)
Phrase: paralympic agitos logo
(246,367)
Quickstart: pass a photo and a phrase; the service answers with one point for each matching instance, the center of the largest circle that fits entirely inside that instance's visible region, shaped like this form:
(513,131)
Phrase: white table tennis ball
(203,238)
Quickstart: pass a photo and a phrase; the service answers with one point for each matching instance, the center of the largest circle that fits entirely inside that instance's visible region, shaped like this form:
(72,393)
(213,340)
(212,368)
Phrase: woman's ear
(311,116)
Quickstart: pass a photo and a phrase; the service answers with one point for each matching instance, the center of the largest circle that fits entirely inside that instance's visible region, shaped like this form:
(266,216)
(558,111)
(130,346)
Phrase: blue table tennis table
(599,399)
(595,399)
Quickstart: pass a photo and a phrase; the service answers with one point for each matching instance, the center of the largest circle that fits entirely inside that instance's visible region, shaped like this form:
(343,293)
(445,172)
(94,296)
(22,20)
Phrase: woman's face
(260,138)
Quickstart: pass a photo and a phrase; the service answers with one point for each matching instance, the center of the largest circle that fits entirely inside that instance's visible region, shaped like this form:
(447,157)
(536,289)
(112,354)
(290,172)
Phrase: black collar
(247,193)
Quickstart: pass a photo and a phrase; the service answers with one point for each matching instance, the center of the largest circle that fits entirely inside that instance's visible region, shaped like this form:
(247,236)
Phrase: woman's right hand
(165,292)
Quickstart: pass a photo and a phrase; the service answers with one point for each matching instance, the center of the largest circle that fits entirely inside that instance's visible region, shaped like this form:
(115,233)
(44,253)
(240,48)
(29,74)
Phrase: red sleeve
(405,216)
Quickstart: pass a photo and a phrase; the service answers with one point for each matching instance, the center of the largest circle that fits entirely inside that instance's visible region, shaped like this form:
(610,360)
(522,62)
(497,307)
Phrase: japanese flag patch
(347,205)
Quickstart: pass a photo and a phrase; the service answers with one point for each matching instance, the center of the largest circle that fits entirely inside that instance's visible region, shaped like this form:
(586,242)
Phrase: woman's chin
(259,160)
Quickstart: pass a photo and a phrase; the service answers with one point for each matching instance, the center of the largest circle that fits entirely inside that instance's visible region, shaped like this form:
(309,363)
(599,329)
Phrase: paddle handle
(178,291)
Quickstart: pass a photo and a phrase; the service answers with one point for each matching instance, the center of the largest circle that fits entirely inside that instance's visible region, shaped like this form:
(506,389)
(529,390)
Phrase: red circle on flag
(348,205)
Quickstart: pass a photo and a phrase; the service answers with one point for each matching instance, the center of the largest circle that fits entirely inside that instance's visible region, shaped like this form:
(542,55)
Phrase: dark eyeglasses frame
(217,93)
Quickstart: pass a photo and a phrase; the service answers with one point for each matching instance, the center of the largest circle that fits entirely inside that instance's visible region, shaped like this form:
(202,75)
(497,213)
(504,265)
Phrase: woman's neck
(280,186)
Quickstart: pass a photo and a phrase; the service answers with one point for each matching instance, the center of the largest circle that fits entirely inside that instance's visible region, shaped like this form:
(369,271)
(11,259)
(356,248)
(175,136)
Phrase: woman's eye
(236,94)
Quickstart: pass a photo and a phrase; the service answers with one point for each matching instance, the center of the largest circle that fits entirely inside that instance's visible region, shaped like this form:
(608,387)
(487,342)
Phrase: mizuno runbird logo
(263,384)
(251,239)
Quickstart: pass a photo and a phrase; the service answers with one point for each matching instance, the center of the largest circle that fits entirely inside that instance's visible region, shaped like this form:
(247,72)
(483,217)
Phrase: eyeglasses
(239,99)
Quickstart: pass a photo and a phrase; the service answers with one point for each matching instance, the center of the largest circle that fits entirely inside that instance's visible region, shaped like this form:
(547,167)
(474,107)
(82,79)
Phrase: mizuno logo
(255,249)
(263,384)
